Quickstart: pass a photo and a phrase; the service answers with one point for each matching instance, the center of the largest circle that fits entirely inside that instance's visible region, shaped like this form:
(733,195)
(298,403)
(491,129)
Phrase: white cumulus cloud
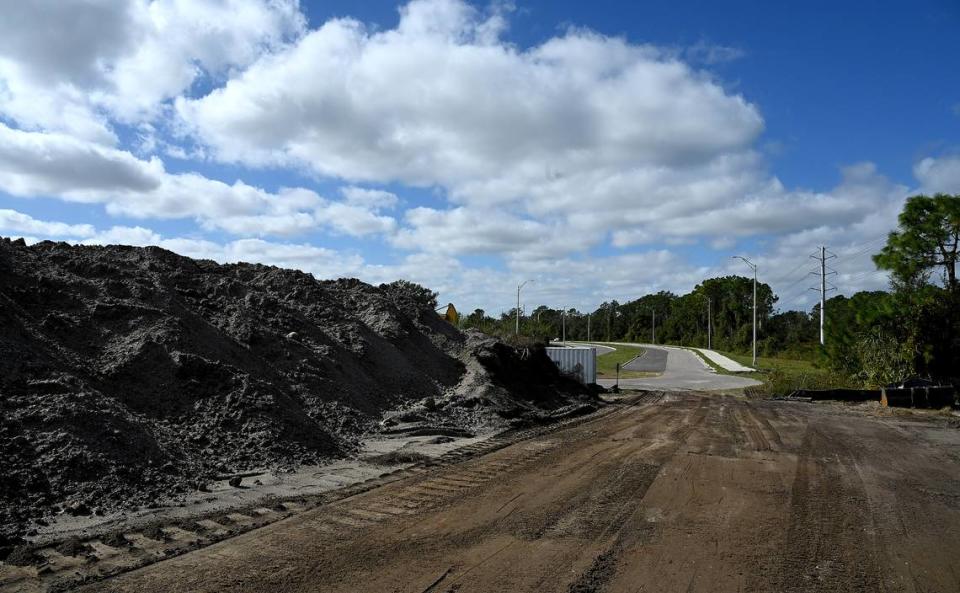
(58,165)
(939,174)
(73,65)
(538,158)
(18,223)
(442,99)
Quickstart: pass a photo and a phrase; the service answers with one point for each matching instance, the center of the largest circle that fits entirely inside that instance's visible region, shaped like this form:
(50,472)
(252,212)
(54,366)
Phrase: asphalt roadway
(653,360)
(680,370)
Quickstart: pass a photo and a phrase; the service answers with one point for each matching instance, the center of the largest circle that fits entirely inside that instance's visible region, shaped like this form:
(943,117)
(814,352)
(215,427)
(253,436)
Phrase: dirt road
(662,493)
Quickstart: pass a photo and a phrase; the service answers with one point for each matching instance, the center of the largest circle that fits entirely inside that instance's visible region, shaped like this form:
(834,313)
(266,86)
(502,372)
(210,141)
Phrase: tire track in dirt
(909,490)
(760,419)
(828,515)
(457,485)
(599,514)
(749,422)
(628,532)
(637,500)
(133,549)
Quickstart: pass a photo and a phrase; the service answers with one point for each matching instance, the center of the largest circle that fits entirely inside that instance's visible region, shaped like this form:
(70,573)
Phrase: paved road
(684,371)
(653,360)
(725,363)
(674,493)
(601,349)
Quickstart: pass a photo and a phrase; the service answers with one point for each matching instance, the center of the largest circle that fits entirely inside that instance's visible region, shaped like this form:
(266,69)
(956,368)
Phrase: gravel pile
(128,375)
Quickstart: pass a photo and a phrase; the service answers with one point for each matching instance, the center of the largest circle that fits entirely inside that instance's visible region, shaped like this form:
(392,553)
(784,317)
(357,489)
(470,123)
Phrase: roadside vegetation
(872,338)
(607,363)
(782,375)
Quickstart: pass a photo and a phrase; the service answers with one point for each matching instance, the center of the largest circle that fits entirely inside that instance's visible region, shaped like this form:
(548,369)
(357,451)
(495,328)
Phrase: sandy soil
(378,455)
(663,493)
(132,378)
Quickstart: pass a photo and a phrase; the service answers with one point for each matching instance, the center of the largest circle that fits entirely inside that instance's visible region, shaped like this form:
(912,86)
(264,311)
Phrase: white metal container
(578,361)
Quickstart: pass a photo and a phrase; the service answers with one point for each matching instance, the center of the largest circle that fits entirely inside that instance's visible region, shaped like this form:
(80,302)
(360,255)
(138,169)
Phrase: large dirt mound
(127,374)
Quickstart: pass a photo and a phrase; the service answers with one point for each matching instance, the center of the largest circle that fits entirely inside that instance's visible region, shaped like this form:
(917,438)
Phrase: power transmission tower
(823,272)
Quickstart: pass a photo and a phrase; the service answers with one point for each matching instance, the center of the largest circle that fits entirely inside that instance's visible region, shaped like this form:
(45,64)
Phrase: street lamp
(563,324)
(754,268)
(653,327)
(519,286)
(709,332)
(709,324)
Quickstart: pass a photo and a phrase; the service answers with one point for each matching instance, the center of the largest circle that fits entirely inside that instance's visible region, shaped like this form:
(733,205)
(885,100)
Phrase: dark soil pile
(131,374)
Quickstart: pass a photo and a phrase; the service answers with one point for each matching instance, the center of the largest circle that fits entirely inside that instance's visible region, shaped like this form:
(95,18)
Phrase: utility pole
(589,315)
(563,324)
(653,327)
(754,268)
(613,320)
(823,257)
(519,286)
(709,328)
(610,313)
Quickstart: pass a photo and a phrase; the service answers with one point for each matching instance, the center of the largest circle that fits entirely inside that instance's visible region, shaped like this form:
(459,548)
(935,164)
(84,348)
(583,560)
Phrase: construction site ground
(656,492)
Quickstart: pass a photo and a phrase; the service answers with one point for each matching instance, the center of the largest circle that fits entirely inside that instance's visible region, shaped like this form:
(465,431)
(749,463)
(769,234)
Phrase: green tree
(410,297)
(732,298)
(479,320)
(927,313)
(794,331)
(928,238)
(883,359)
(849,325)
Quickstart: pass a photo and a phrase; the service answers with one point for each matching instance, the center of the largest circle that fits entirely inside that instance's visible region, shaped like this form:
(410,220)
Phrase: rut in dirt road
(679,493)
(830,544)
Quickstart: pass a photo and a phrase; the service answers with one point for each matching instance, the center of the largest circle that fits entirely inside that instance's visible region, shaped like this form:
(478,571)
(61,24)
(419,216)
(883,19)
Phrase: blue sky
(602,149)
(838,82)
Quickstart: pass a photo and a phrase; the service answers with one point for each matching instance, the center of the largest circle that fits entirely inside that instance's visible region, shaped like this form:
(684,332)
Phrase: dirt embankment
(130,374)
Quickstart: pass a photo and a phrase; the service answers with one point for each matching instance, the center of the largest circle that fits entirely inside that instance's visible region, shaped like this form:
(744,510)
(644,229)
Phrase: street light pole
(563,324)
(653,327)
(709,324)
(519,286)
(754,268)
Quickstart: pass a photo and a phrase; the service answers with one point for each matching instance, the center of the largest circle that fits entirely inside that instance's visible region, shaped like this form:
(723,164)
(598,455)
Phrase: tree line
(724,304)
(873,337)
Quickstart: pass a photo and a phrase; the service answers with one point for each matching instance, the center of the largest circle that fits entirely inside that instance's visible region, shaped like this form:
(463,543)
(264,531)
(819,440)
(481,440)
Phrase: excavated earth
(129,375)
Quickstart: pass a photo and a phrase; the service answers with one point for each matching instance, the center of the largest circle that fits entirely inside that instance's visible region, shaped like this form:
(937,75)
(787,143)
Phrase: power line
(860,275)
(788,274)
(866,245)
(850,258)
(787,291)
(791,292)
